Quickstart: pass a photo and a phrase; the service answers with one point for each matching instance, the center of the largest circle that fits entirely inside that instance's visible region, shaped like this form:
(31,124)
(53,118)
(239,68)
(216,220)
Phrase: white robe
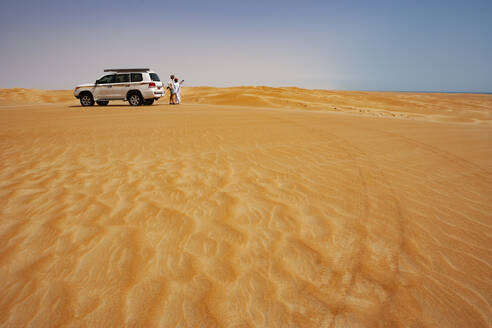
(177,89)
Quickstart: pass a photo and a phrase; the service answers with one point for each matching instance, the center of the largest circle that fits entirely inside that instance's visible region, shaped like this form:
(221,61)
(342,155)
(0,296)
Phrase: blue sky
(350,45)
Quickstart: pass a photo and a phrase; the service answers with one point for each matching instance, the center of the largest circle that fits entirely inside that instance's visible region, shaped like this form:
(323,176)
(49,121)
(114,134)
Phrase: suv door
(103,89)
(121,86)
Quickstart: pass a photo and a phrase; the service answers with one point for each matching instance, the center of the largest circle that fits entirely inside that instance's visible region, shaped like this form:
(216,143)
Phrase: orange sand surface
(246,207)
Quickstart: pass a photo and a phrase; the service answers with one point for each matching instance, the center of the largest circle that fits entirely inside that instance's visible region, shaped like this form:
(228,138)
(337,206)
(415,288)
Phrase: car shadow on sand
(117,106)
(95,106)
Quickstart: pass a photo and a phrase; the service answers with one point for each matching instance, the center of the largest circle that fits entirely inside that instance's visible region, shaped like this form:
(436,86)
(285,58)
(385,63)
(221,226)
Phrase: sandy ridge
(464,108)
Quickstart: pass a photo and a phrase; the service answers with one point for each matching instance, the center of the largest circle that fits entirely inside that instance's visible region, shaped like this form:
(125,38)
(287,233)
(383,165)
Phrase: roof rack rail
(127,70)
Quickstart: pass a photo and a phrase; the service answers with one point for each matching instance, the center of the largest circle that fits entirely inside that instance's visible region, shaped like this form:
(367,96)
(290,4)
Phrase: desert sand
(246,207)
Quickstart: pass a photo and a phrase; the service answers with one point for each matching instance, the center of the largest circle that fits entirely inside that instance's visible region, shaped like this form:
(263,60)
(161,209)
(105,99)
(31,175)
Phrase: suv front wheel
(86,99)
(135,99)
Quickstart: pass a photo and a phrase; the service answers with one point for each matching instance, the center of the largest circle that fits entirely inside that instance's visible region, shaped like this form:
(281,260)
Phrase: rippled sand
(212,214)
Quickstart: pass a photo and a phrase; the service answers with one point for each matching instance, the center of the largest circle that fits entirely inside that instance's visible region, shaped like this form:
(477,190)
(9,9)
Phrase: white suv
(139,86)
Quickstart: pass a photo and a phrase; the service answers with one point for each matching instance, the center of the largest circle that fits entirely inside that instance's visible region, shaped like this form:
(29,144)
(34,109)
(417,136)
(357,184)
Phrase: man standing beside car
(170,87)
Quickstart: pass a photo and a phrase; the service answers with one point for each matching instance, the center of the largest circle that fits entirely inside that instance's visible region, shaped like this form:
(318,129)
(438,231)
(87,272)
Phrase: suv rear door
(121,86)
(136,80)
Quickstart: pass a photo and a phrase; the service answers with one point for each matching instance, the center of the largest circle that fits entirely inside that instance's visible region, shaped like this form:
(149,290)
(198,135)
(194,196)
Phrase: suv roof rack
(127,70)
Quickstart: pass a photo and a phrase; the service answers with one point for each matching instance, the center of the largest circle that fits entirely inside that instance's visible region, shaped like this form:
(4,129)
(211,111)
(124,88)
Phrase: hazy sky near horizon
(351,45)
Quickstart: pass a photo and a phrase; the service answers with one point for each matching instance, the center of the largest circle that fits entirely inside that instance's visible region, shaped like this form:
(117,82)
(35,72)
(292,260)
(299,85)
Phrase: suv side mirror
(97,81)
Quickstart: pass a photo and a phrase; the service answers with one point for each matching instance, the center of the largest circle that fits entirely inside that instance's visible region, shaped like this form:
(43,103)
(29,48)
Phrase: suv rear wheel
(148,102)
(86,99)
(135,99)
(102,102)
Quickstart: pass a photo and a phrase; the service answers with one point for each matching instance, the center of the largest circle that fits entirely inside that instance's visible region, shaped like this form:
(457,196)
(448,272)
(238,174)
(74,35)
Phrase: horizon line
(298,87)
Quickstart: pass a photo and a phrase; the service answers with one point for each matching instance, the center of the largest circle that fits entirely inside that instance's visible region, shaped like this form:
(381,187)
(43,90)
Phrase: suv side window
(137,77)
(107,79)
(122,78)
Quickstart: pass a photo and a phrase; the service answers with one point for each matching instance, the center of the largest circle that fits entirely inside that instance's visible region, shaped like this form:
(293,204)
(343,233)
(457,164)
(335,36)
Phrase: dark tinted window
(122,78)
(154,77)
(137,77)
(107,79)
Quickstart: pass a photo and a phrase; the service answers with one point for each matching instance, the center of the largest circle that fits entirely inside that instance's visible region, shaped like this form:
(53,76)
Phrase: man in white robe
(177,90)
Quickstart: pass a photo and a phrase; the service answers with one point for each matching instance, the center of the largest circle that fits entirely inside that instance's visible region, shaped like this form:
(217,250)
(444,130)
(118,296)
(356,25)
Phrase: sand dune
(210,214)
(463,108)
(22,96)
(435,106)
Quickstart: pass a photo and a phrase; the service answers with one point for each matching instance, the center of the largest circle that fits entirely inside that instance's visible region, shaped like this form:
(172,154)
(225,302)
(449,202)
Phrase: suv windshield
(154,77)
